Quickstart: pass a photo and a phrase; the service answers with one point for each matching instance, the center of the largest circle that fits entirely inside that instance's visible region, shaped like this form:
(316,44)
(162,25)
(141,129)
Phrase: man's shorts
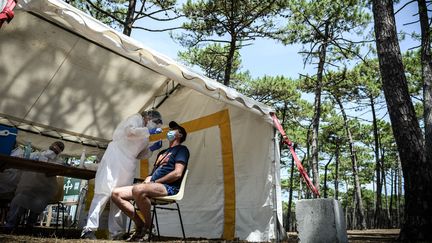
(172,190)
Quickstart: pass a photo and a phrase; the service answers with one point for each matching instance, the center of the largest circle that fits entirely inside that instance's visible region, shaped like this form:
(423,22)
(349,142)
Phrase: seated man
(34,189)
(164,180)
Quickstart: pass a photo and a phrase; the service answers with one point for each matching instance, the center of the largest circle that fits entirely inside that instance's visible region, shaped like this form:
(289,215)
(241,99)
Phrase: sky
(268,57)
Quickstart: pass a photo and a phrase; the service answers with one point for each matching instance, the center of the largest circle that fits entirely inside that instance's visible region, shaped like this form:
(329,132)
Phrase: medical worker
(117,168)
(34,189)
(164,180)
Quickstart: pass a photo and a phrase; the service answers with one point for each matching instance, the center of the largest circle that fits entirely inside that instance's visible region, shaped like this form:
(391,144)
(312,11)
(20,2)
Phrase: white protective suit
(35,189)
(116,169)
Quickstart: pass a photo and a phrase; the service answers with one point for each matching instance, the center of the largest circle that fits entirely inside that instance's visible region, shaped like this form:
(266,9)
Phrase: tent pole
(275,189)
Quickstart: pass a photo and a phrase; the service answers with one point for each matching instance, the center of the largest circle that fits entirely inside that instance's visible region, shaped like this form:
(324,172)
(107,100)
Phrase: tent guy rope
(7,13)
(296,159)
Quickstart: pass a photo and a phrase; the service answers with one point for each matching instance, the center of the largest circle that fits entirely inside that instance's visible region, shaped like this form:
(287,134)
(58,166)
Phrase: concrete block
(320,220)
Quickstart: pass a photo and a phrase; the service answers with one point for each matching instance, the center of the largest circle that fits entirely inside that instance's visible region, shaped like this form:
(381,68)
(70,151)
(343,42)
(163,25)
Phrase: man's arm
(173,175)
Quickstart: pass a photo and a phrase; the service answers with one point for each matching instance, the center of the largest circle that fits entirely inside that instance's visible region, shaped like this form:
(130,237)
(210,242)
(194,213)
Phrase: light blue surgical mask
(171,135)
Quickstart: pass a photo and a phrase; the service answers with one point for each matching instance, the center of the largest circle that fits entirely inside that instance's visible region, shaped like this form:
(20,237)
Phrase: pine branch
(413,48)
(141,15)
(414,22)
(159,30)
(105,12)
(259,14)
(355,42)
(406,4)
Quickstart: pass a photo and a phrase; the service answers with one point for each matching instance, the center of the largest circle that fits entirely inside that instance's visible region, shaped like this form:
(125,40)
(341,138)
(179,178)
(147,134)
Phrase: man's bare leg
(121,196)
(142,194)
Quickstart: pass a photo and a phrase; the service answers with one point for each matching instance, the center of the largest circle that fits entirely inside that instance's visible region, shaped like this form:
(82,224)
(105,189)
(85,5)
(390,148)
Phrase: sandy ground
(377,235)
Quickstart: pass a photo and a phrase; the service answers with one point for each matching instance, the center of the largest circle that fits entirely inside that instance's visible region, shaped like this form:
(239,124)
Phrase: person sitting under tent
(34,189)
(9,178)
(165,180)
(117,168)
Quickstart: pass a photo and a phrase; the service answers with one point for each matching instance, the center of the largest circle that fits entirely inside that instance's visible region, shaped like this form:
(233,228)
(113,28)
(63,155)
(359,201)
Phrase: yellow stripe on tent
(222,120)
(144,168)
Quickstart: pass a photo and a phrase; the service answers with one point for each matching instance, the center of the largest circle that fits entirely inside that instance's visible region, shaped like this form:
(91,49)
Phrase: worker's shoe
(88,234)
(137,236)
(141,235)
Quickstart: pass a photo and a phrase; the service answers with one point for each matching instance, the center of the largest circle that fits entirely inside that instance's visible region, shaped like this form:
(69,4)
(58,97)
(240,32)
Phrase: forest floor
(377,235)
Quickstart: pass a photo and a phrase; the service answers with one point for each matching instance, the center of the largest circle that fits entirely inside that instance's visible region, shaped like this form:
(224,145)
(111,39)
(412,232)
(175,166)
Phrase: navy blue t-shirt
(166,160)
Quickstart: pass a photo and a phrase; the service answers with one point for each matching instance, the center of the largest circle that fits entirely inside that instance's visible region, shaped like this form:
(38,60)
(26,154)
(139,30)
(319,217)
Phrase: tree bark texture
(399,205)
(230,58)
(317,116)
(336,182)
(127,28)
(417,171)
(384,184)
(377,164)
(426,62)
(325,176)
(290,193)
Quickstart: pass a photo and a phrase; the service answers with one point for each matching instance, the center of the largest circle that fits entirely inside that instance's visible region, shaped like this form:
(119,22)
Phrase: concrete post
(320,220)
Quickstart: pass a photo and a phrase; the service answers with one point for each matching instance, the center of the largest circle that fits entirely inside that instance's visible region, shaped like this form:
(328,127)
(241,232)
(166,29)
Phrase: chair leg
(157,223)
(58,214)
(151,227)
(63,218)
(130,219)
(129,226)
(181,221)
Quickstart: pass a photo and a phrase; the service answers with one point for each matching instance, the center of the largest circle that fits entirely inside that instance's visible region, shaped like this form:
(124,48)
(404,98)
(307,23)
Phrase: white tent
(65,75)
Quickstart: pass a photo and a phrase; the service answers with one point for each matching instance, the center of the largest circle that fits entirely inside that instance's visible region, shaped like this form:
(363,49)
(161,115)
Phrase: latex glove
(155,146)
(155,130)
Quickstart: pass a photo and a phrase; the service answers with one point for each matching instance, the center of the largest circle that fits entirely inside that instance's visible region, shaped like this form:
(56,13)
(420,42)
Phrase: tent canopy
(72,77)
(65,75)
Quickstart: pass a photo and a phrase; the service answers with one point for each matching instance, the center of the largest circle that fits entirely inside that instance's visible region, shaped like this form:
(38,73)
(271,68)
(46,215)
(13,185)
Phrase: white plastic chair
(158,201)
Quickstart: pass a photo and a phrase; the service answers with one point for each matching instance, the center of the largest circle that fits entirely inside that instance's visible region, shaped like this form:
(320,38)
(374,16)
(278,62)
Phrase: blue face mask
(171,135)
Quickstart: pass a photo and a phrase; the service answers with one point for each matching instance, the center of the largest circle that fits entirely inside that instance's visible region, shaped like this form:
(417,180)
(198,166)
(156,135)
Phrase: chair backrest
(182,187)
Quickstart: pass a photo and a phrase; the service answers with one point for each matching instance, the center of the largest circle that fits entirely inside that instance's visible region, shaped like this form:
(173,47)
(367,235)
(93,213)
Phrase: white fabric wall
(203,205)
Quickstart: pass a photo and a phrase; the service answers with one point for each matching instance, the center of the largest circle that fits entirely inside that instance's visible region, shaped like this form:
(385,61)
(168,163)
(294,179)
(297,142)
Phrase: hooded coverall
(116,169)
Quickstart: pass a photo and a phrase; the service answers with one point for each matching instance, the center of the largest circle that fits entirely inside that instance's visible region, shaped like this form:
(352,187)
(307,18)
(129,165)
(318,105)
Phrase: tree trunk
(399,192)
(357,186)
(377,165)
(290,193)
(317,116)
(426,61)
(230,58)
(309,160)
(391,197)
(325,176)
(394,217)
(336,182)
(300,191)
(127,27)
(354,211)
(416,169)
(384,184)
(347,205)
